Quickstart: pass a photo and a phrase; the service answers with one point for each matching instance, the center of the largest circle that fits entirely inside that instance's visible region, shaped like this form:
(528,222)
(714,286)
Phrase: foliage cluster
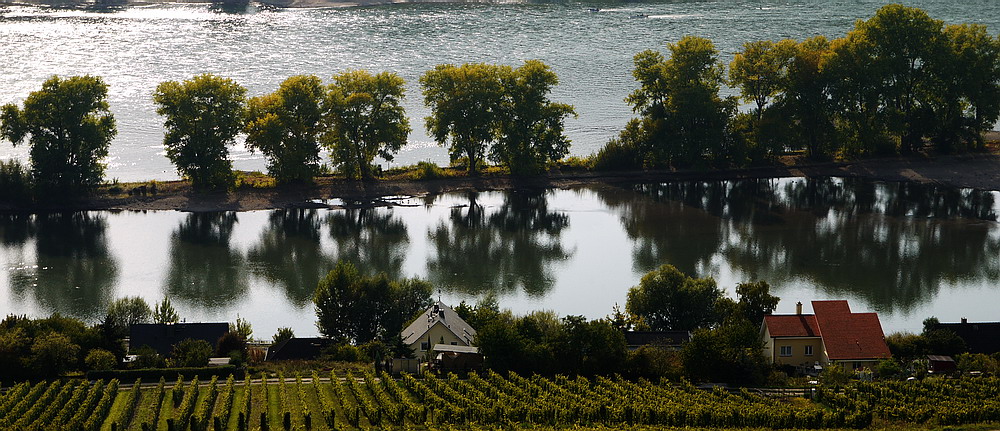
(894,82)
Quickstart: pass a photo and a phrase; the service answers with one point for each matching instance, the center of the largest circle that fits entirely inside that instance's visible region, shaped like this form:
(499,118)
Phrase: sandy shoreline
(978,171)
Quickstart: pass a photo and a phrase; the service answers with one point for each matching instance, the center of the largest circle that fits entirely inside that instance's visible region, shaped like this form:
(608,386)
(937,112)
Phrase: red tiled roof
(792,325)
(848,335)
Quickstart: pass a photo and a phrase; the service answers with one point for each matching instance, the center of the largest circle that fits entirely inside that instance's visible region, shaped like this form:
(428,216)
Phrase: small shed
(298,349)
(941,364)
(457,358)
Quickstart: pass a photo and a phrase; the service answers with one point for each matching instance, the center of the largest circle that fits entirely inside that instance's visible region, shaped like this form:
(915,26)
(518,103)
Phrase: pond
(907,251)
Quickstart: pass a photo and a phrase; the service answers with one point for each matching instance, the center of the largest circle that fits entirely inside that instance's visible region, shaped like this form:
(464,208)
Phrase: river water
(135,48)
(904,250)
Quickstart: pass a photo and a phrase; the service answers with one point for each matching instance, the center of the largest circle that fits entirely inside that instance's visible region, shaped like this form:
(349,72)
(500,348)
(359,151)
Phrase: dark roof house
(979,337)
(671,340)
(163,336)
(298,348)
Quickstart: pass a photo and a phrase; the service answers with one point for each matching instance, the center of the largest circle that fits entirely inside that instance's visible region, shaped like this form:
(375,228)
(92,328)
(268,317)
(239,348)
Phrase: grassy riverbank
(255,191)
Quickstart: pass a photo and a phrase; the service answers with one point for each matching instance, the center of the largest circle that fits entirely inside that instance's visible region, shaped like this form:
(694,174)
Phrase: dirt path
(978,171)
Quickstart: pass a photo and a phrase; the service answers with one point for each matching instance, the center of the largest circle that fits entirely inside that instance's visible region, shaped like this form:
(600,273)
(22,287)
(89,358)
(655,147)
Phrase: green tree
(202,117)
(53,354)
(100,359)
(760,71)
(286,125)
(164,312)
(191,353)
(755,300)
(282,335)
(365,120)
(807,97)
(353,308)
(531,129)
(242,328)
(974,67)
(69,127)
(466,106)
(896,50)
(683,119)
(125,312)
(667,299)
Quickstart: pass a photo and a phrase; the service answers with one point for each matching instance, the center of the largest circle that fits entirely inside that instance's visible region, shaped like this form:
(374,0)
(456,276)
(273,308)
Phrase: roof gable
(792,325)
(438,313)
(163,336)
(848,335)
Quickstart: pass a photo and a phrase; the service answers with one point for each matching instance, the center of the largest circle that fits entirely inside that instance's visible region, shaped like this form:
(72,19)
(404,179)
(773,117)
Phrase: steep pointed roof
(439,313)
(848,335)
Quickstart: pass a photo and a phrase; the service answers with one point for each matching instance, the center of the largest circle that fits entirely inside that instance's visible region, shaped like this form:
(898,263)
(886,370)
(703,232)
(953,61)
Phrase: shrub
(427,171)
(192,353)
(618,155)
(100,359)
(15,182)
(152,374)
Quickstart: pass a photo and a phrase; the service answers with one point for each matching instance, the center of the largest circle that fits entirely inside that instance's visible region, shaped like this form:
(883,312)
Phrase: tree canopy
(667,299)
(351,307)
(125,312)
(285,126)
(69,127)
(202,116)
(466,106)
(365,119)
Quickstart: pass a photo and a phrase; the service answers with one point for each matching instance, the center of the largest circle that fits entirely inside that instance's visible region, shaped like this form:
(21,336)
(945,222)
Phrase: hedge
(153,374)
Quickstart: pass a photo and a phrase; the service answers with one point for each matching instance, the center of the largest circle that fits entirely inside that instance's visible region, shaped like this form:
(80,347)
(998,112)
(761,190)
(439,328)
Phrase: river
(135,48)
(904,250)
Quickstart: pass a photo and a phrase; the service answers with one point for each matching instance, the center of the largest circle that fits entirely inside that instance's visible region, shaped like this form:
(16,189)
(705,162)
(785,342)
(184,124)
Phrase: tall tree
(466,105)
(69,127)
(125,312)
(807,97)
(975,63)
(667,299)
(683,118)
(285,126)
(531,130)
(354,308)
(164,312)
(366,119)
(760,71)
(904,44)
(202,117)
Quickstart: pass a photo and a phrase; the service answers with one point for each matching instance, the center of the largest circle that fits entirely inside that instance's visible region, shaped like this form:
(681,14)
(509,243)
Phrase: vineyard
(350,401)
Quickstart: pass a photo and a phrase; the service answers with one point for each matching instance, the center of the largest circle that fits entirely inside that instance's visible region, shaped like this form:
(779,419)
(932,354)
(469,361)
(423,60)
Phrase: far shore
(975,170)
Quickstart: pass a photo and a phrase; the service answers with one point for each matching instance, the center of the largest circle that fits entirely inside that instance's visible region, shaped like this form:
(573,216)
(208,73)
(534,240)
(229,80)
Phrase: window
(786,350)
(425,345)
(454,343)
(809,350)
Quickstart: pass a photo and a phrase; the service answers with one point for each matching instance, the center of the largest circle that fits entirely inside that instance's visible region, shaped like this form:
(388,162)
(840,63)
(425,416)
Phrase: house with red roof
(832,335)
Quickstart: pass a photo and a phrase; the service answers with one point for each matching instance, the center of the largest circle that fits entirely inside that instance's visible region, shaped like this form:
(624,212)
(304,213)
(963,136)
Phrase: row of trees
(477,110)
(894,81)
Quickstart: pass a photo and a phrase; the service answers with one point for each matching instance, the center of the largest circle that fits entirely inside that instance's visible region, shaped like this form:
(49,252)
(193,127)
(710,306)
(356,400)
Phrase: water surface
(136,48)
(904,250)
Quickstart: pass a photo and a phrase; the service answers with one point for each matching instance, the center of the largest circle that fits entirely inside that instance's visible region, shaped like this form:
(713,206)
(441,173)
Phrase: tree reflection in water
(501,251)
(204,270)
(289,253)
(893,244)
(373,239)
(74,271)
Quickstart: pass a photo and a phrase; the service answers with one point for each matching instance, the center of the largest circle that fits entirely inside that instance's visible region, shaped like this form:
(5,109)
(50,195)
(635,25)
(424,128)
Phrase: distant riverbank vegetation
(897,83)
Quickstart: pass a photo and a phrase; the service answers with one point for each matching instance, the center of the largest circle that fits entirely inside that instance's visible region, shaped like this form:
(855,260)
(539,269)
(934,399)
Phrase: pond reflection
(289,253)
(890,243)
(203,268)
(503,251)
(373,239)
(74,271)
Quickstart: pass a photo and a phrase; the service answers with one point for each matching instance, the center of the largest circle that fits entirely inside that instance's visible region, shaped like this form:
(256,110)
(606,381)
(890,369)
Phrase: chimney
(964,320)
(798,308)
